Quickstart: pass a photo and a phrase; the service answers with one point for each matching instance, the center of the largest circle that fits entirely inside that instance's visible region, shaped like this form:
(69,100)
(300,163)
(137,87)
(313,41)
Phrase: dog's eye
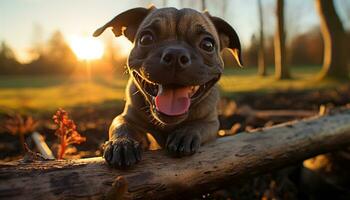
(146,39)
(207,44)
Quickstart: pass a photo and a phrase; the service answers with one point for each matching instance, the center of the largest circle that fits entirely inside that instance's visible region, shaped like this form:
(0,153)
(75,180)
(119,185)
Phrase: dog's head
(176,56)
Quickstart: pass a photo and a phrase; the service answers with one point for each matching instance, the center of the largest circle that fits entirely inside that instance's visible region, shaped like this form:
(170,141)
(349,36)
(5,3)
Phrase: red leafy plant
(66,132)
(21,126)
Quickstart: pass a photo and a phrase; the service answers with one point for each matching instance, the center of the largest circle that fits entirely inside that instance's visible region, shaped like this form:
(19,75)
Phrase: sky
(22,22)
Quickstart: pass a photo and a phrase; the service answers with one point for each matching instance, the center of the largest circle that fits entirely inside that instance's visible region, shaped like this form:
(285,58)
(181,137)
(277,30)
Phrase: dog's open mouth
(172,100)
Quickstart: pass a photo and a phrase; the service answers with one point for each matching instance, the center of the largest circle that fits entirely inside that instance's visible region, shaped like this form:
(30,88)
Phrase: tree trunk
(261,55)
(224,8)
(165,3)
(334,37)
(182,4)
(203,5)
(281,69)
(158,176)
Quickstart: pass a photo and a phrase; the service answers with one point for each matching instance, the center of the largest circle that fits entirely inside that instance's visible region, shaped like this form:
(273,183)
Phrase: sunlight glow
(87,48)
(124,46)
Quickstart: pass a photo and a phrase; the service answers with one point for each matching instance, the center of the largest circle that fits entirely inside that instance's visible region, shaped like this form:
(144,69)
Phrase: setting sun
(124,45)
(87,48)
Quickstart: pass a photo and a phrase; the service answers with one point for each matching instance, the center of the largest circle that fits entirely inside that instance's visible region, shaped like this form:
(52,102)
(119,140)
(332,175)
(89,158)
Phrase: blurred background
(295,56)
(48,58)
(47,53)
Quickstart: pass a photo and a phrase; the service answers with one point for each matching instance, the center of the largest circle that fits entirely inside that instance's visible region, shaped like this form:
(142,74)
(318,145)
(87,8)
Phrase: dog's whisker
(137,91)
(145,108)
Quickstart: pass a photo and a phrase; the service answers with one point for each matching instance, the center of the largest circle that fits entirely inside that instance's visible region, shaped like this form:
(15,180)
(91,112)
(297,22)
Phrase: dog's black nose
(176,57)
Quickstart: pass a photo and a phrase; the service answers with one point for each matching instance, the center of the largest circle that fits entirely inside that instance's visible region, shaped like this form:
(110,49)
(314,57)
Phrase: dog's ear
(228,37)
(126,23)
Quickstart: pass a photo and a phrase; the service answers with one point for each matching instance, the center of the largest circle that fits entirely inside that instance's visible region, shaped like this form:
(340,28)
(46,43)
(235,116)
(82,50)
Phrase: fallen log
(284,113)
(158,176)
(277,116)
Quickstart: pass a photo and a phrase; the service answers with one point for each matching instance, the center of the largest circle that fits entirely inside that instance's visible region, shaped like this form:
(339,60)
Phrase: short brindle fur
(174,50)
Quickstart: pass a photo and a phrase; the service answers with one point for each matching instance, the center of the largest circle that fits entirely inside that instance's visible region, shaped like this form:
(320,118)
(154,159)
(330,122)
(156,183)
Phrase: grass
(45,93)
(243,80)
(24,93)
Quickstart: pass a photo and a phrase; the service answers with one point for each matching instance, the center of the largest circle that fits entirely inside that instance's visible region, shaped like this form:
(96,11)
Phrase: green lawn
(45,93)
(48,93)
(243,80)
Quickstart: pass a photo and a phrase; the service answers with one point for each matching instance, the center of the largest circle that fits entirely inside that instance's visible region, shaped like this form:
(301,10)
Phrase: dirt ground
(236,115)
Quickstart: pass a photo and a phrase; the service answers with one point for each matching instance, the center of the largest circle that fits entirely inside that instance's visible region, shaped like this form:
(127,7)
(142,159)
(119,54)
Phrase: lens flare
(124,46)
(87,48)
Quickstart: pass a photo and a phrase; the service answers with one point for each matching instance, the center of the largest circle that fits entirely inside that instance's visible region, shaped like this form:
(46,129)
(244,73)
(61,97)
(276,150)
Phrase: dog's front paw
(183,142)
(122,152)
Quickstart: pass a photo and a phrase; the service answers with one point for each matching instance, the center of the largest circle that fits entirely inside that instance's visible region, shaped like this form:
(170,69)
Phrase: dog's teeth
(196,87)
(160,89)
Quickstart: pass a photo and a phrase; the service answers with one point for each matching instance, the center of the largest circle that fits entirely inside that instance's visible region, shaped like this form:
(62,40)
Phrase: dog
(172,91)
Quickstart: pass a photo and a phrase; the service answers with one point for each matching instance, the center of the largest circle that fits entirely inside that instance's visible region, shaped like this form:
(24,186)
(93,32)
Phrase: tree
(307,48)
(334,37)
(165,3)
(203,5)
(182,3)
(58,49)
(38,43)
(224,7)
(226,160)
(60,53)
(261,54)
(281,70)
(57,57)
(8,62)
(250,53)
(346,7)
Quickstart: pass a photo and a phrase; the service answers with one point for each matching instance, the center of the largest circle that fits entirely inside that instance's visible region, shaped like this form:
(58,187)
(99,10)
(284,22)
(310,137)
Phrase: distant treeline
(56,57)
(304,49)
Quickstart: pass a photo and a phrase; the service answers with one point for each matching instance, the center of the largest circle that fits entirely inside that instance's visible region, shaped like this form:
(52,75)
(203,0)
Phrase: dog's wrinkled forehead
(171,23)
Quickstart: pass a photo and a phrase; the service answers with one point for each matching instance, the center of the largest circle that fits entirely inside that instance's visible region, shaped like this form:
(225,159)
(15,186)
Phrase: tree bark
(261,55)
(182,4)
(203,5)
(334,37)
(165,3)
(281,69)
(224,8)
(158,176)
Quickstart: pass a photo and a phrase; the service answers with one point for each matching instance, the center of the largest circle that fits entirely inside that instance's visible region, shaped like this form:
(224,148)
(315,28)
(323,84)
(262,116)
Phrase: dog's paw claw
(122,152)
(182,143)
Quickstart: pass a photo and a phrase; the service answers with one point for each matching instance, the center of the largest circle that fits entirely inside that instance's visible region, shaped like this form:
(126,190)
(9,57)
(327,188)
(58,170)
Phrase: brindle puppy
(172,93)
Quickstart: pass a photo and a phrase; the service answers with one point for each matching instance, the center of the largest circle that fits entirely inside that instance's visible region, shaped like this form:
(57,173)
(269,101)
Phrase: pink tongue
(173,102)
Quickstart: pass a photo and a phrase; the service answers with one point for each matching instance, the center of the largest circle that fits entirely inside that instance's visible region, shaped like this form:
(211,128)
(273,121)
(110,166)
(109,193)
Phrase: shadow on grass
(29,81)
(114,105)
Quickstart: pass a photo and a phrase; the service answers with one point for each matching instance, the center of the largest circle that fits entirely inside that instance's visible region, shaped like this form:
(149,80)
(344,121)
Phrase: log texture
(159,176)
